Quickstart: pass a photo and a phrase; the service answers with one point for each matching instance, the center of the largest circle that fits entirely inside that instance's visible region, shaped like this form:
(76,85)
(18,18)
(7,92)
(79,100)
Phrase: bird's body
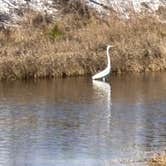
(103,74)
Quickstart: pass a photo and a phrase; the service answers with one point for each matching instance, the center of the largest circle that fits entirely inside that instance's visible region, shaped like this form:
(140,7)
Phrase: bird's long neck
(108,58)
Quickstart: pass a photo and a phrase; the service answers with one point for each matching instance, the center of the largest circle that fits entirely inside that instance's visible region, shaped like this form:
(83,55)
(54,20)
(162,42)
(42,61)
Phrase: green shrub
(55,33)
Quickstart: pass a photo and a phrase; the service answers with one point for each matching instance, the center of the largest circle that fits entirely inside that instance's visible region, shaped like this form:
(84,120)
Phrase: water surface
(74,121)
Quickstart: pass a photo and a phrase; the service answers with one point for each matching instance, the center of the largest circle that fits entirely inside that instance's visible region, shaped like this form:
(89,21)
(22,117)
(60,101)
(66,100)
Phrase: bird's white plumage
(107,70)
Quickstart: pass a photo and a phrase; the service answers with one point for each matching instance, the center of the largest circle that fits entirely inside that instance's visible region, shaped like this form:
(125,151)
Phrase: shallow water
(74,121)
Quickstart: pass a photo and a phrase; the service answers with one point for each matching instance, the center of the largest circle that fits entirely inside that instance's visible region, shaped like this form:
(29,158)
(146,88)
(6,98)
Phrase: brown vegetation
(158,160)
(75,45)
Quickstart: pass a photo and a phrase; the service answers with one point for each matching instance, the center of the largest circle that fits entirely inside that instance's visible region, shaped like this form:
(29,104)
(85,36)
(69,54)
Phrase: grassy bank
(75,45)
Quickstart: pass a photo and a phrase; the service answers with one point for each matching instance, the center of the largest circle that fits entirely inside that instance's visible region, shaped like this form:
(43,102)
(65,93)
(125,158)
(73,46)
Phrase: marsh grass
(75,45)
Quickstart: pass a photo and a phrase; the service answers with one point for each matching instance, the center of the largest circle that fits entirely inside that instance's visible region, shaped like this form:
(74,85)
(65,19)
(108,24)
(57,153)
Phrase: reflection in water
(103,91)
(78,122)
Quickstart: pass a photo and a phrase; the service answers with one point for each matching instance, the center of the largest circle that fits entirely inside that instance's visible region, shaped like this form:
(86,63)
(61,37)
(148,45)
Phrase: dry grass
(158,160)
(75,45)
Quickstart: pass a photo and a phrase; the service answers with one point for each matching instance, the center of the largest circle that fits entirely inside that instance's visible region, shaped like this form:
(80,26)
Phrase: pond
(77,121)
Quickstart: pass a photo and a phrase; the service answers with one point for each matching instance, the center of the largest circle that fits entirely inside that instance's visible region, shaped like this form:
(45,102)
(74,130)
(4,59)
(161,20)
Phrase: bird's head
(110,46)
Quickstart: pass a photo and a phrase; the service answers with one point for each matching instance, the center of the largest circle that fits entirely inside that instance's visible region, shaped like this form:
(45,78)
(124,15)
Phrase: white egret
(103,74)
